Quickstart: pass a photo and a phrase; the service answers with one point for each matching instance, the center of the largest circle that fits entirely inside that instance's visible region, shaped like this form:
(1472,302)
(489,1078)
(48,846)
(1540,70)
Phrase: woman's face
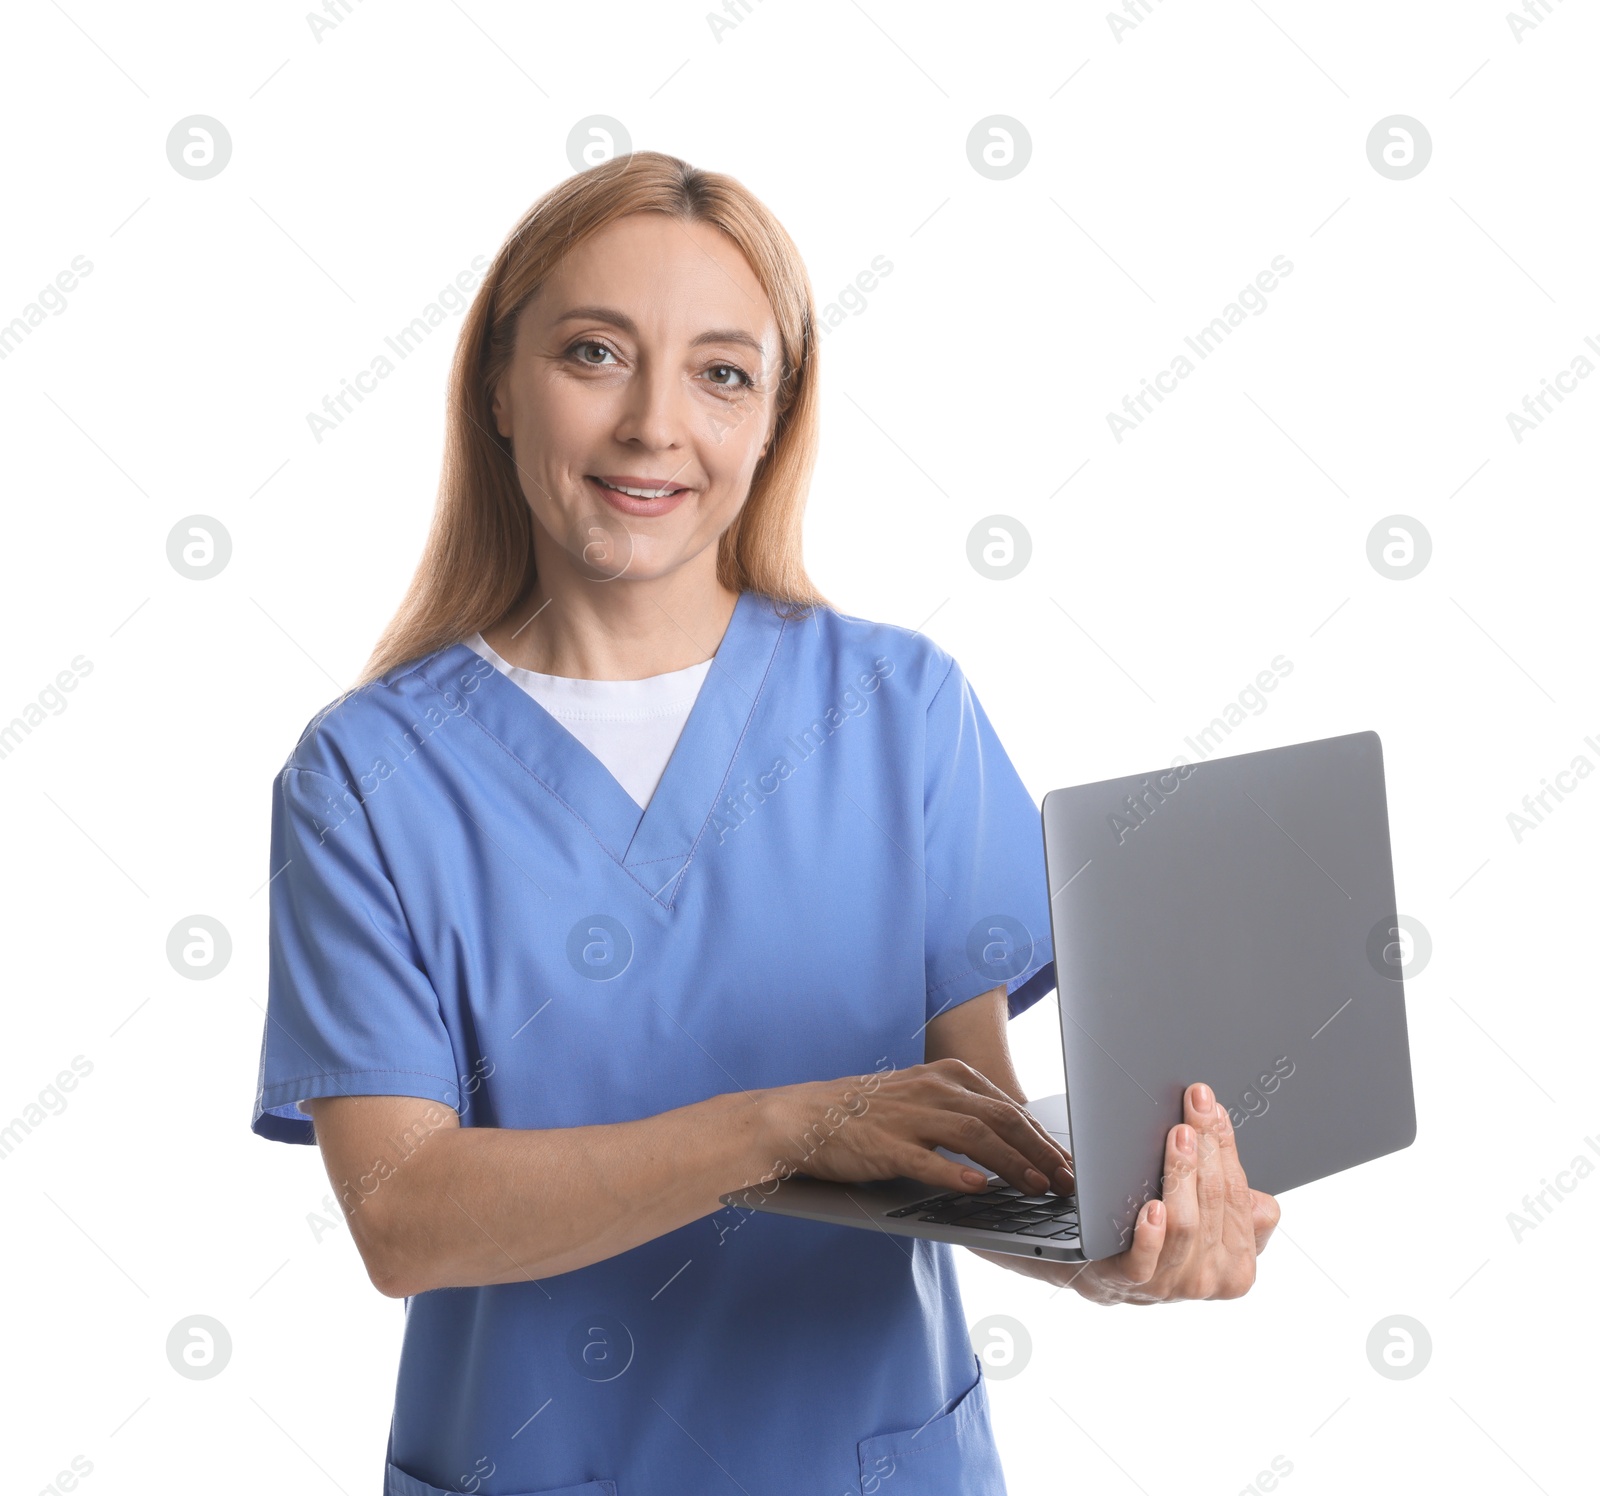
(647,361)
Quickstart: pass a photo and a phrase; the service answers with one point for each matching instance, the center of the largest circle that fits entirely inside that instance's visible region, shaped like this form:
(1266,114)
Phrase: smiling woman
(706,264)
(542,933)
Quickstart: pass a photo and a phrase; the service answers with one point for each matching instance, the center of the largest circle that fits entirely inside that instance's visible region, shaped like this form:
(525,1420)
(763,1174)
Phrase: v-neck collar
(654,845)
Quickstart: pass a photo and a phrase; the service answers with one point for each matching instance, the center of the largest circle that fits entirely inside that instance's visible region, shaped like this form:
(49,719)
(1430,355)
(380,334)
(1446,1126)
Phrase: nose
(655,412)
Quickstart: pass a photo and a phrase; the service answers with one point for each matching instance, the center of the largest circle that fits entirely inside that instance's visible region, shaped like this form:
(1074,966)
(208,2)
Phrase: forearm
(481,1205)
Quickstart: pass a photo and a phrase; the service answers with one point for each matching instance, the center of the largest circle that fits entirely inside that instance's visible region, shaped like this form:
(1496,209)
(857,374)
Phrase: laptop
(1231,921)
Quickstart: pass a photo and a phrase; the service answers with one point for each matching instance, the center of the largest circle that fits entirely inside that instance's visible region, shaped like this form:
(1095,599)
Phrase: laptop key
(1043,1228)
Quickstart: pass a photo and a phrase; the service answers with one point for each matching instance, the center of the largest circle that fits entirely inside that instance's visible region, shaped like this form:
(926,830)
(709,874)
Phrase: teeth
(638,493)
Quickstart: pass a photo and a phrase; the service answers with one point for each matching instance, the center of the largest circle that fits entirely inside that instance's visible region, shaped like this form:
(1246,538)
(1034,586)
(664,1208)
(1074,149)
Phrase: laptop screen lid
(1232,922)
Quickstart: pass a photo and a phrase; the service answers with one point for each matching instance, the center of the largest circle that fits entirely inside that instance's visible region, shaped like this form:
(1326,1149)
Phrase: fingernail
(1201,1096)
(1153,1212)
(1042,1183)
(972,1176)
(1185,1138)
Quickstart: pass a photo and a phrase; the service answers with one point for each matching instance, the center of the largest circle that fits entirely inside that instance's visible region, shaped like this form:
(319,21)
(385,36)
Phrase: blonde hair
(478,561)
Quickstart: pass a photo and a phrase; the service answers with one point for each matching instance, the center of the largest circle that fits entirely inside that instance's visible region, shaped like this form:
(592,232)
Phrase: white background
(1167,169)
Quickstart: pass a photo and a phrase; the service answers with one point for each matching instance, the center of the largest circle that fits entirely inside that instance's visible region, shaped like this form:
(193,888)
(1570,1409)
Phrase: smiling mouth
(663,488)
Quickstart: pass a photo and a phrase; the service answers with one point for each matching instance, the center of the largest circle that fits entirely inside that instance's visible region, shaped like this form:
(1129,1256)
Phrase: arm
(1201,1241)
(432,1204)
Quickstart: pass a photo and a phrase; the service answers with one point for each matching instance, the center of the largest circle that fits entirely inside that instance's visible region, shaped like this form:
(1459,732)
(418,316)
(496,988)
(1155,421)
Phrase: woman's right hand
(889,1124)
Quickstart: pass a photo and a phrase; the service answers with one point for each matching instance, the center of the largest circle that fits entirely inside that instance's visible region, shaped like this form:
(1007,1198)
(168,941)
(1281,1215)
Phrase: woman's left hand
(1199,1240)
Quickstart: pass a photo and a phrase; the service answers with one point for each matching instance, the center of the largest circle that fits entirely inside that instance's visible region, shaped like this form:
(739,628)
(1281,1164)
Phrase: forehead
(671,278)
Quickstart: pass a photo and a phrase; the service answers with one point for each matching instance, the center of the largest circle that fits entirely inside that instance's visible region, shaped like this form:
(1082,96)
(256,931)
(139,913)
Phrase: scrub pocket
(953,1455)
(397,1483)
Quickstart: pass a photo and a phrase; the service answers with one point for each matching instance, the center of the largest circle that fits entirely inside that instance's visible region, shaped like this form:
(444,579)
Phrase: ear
(501,409)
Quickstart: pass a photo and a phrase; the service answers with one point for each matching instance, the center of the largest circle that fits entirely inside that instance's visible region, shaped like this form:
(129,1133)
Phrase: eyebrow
(626,323)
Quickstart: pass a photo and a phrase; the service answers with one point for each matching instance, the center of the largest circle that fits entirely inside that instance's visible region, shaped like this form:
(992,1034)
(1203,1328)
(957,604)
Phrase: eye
(724,375)
(582,350)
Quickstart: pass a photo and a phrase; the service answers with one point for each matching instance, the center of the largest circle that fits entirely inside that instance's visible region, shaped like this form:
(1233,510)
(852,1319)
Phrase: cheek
(559,419)
(731,446)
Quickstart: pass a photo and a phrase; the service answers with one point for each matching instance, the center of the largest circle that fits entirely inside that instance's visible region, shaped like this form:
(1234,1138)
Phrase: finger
(973,1133)
(1238,1224)
(1013,1122)
(1182,1213)
(1210,1180)
(1141,1261)
(929,1167)
(1264,1214)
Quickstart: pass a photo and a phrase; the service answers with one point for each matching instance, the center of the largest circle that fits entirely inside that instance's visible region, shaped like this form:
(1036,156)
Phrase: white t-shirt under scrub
(631,726)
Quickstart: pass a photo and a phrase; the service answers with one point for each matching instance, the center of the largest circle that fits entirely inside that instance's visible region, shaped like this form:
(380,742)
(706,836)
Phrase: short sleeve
(988,910)
(350,1010)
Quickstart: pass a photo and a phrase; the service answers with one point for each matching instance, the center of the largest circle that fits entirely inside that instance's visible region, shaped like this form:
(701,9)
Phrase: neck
(624,629)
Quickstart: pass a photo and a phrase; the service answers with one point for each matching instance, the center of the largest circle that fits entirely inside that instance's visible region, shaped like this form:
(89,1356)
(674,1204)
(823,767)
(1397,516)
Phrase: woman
(629,869)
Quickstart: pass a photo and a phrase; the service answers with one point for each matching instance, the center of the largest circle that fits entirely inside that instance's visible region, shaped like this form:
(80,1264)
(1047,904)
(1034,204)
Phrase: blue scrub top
(467,907)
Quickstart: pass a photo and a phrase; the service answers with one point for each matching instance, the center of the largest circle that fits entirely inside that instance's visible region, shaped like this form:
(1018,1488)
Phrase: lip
(626,503)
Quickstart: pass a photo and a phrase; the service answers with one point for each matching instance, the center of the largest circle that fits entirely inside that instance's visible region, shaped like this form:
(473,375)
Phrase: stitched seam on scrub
(733,758)
(1021,976)
(562,802)
(368,1070)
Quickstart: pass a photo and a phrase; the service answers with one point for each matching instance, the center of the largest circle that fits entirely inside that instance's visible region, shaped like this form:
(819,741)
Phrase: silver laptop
(1232,922)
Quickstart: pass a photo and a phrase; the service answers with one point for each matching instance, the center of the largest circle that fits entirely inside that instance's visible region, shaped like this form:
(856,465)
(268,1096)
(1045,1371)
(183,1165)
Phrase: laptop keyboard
(1005,1210)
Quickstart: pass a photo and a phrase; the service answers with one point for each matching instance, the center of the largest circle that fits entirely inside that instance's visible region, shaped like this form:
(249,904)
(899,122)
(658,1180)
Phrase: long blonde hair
(478,561)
